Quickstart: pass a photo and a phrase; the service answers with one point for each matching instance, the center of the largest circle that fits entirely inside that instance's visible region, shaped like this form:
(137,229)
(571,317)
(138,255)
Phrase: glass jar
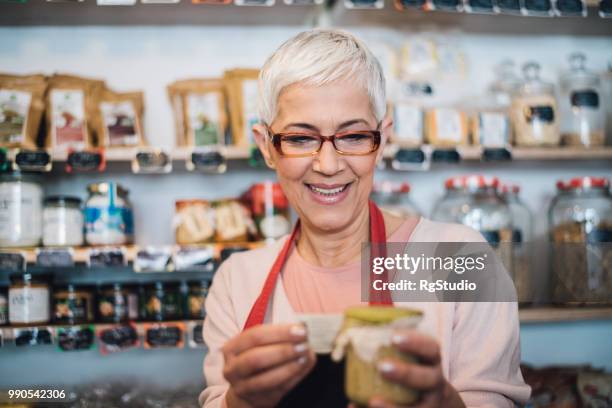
(534,111)
(580,219)
(72,304)
(161,301)
(196,297)
(3,306)
(108,215)
(62,221)
(522,222)
(117,303)
(20,210)
(28,299)
(505,84)
(270,210)
(474,201)
(582,115)
(395,198)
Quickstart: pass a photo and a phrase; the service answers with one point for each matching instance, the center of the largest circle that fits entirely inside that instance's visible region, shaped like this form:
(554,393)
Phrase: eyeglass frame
(276,141)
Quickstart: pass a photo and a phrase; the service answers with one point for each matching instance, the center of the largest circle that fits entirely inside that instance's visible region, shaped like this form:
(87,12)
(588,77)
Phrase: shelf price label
(33,160)
(164,335)
(570,8)
(411,159)
(496,154)
(364,4)
(119,337)
(73,338)
(33,336)
(605,8)
(153,259)
(85,161)
(196,338)
(107,257)
(5,161)
(207,160)
(446,156)
(55,257)
(151,161)
(194,259)
(13,261)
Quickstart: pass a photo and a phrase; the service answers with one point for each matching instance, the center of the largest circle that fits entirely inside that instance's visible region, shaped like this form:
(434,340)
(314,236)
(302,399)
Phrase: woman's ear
(386,129)
(261,135)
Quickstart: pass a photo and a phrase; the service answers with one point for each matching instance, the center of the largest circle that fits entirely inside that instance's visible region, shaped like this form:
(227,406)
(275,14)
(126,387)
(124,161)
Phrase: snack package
(21,109)
(199,107)
(446,127)
(121,117)
(72,116)
(242,89)
(194,222)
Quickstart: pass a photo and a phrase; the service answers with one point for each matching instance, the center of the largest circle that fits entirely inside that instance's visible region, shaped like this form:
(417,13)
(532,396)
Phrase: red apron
(324,386)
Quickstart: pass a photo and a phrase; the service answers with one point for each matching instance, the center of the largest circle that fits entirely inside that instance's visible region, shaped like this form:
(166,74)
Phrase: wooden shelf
(560,314)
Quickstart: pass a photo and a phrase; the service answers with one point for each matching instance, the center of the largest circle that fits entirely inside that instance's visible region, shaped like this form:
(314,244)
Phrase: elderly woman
(323,106)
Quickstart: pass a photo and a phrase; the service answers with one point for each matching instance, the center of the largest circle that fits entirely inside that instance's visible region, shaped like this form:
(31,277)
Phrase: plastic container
(582,113)
(534,113)
(63,221)
(580,219)
(108,215)
(395,198)
(21,200)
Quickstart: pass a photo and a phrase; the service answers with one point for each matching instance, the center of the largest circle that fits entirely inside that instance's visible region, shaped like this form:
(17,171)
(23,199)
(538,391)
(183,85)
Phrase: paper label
(68,114)
(14,107)
(203,113)
(449,125)
(409,123)
(28,305)
(493,129)
(120,128)
(322,330)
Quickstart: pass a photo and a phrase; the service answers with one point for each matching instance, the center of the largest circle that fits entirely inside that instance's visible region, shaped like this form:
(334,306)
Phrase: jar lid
(63,200)
(105,188)
(380,314)
(510,188)
(390,187)
(471,182)
(584,183)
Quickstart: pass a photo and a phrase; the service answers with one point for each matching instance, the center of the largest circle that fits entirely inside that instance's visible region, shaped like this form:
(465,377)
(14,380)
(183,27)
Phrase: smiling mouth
(328,191)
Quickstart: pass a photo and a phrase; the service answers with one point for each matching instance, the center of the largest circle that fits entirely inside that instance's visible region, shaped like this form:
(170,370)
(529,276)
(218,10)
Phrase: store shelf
(559,314)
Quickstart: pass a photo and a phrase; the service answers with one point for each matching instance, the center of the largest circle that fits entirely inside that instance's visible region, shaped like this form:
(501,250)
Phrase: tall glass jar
(534,111)
(395,198)
(580,219)
(62,221)
(108,215)
(582,114)
(21,200)
(522,233)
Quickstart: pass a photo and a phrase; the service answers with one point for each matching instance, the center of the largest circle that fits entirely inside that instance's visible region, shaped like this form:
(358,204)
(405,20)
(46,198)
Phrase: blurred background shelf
(564,314)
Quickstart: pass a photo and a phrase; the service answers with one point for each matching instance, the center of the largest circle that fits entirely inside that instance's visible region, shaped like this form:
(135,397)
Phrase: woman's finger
(421,345)
(262,335)
(411,375)
(263,358)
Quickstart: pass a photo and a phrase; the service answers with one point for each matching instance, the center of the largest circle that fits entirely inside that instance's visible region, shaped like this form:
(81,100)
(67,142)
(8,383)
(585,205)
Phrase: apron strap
(378,239)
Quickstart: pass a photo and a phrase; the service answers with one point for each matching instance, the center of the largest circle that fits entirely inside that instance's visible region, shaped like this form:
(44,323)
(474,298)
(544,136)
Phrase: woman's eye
(355,138)
(299,139)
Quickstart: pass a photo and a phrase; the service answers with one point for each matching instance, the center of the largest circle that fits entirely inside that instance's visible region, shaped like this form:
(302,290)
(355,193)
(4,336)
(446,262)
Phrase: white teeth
(326,191)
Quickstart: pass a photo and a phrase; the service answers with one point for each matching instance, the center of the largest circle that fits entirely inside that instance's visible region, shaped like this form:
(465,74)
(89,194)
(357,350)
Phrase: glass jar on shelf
(108,215)
(395,198)
(580,219)
(21,198)
(582,114)
(534,111)
(522,234)
(29,299)
(62,221)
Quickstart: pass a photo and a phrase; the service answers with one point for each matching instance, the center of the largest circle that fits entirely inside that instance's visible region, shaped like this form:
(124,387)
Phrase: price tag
(5,161)
(537,8)
(164,335)
(410,4)
(73,338)
(605,8)
(570,8)
(150,161)
(254,2)
(107,257)
(196,338)
(55,257)
(446,156)
(207,160)
(496,154)
(411,159)
(198,259)
(85,160)
(152,259)
(12,261)
(446,5)
(479,6)
(509,6)
(364,4)
(33,336)
(33,160)
(115,338)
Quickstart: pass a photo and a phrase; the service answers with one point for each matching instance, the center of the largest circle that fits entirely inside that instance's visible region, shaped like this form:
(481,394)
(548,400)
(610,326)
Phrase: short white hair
(319,57)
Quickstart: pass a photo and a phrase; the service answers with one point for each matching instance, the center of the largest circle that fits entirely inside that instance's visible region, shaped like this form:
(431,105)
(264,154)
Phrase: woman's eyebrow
(308,126)
(352,122)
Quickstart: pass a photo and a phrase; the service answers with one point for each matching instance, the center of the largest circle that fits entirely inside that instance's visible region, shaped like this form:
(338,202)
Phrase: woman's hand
(425,376)
(264,363)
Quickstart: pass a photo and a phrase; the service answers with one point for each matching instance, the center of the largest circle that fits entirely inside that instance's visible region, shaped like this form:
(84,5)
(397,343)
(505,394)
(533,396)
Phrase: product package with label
(241,86)
(446,127)
(121,119)
(21,109)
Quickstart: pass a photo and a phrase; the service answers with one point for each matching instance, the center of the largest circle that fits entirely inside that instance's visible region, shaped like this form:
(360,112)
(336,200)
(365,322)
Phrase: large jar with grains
(395,198)
(582,113)
(29,299)
(522,233)
(580,219)
(21,200)
(62,221)
(108,215)
(534,111)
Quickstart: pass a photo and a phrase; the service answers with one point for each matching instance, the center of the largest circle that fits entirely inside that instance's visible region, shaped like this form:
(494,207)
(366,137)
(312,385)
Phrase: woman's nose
(327,161)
